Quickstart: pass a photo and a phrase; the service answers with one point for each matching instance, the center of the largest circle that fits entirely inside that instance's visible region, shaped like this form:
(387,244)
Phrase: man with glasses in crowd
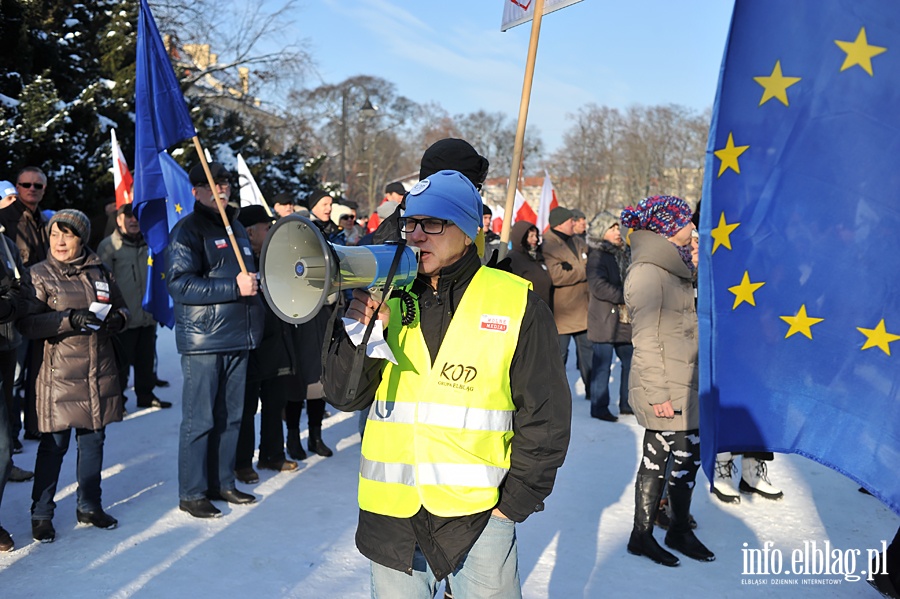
(467,429)
(218,320)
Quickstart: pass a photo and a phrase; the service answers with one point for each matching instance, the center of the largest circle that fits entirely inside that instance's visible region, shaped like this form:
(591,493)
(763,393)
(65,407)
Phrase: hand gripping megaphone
(299,268)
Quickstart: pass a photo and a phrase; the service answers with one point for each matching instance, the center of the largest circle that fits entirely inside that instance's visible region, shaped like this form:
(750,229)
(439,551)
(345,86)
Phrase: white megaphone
(299,268)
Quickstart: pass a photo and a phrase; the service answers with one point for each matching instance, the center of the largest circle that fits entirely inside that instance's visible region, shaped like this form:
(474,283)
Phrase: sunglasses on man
(29,185)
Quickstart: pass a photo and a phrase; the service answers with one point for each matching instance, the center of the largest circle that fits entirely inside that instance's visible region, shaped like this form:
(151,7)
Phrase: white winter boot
(755,479)
(723,487)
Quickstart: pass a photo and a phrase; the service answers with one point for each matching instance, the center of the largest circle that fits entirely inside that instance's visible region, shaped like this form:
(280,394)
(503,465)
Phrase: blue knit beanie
(449,195)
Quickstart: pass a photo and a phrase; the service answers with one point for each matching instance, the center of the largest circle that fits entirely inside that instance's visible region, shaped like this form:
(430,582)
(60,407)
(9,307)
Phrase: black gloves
(114,323)
(565,266)
(80,319)
(10,297)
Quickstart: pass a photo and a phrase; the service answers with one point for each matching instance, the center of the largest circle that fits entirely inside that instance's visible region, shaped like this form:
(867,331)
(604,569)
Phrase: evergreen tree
(67,75)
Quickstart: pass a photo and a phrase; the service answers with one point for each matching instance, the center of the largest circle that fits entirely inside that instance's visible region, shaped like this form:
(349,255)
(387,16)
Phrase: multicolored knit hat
(665,215)
(75,220)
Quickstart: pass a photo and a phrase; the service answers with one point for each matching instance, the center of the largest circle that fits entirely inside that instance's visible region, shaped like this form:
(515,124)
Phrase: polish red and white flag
(548,203)
(122,178)
(522,211)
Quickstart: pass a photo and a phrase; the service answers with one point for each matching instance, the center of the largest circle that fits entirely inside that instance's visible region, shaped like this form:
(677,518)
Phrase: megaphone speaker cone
(299,268)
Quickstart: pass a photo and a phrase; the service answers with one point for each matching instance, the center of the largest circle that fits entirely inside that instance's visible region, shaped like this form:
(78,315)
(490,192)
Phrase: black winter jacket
(522,264)
(541,425)
(9,335)
(201,270)
(607,298)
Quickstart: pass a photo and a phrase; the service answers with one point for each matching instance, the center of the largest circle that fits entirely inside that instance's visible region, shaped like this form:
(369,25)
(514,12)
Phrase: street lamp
(367,110)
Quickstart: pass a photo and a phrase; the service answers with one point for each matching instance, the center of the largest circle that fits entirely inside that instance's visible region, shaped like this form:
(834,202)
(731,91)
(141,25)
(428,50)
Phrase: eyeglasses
(218,184)
(348,217)
(430,226)
(29,185)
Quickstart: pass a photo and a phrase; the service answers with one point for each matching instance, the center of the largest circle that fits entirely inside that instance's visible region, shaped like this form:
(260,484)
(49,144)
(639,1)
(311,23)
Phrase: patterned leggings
(683,447)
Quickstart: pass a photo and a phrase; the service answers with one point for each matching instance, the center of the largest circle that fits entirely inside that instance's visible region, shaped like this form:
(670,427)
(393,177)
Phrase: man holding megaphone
(467,430)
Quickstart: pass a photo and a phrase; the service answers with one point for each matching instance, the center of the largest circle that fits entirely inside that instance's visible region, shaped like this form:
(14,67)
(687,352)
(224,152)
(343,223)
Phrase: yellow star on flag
(178,208)
(729,156)
(744,292)
(775,85)
(722,234)
(859,52)
(801,323)
(162,275)
(149,260)
(878,337)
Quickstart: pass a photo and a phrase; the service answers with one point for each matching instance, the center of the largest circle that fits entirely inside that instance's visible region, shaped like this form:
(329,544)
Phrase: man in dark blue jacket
(218,319)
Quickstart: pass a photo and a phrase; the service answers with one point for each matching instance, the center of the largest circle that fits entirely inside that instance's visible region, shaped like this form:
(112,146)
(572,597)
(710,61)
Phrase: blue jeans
(583,355)
(600,367)
(212,404)
(490,569)
(87,470)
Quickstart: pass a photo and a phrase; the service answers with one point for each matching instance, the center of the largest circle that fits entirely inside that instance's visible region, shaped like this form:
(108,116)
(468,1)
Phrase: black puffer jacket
(541,425)
(201,270)
(77,379)
(522,264)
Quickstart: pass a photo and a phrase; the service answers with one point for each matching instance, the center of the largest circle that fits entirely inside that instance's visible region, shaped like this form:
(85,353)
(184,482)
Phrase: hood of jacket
(652,248)
(518,233)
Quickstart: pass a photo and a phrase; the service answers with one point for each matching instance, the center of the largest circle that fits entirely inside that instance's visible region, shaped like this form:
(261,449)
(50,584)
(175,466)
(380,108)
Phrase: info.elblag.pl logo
(816,563)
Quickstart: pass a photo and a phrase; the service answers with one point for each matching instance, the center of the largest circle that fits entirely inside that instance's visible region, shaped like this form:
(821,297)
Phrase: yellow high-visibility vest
(439,435)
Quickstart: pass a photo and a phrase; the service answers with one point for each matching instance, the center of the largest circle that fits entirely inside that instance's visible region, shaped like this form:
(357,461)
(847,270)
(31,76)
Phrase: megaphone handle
(356,370)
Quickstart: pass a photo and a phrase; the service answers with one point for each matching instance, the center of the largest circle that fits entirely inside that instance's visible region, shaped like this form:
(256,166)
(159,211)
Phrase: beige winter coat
(77,382)
(660,296)
(570,287)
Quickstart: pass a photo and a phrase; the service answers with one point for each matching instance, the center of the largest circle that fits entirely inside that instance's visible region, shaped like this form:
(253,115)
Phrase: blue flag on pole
(799,275)
(179,199)
(179,203)
(161,120)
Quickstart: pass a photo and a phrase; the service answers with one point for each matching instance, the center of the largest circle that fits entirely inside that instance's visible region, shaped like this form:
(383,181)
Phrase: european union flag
(179,199)
(161,120)
(179,203)
(799,274)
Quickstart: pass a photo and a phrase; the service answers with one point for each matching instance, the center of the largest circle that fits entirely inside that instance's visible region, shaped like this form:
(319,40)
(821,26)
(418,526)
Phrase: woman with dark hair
(78,310)
(527,260)
(663,389)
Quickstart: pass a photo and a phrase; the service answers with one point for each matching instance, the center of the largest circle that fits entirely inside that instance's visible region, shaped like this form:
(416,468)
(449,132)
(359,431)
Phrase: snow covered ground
(297,540)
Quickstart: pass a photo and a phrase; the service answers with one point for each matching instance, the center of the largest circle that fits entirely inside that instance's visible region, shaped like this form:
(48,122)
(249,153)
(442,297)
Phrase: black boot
(315,410)
(316,445)
(680,536)
(647,491)
(294,448)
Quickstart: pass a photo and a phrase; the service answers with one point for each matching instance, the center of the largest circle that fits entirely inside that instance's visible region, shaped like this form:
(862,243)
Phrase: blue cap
(7,189)
(449,195)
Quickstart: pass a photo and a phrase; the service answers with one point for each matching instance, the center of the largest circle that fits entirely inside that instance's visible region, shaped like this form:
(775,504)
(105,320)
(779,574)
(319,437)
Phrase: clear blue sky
(610,52)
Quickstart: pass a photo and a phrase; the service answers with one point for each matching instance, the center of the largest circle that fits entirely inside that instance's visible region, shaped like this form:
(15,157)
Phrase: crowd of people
(464,430)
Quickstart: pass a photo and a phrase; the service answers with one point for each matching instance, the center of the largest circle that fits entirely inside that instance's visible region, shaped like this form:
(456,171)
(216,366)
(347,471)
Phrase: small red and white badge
(489,322)
(102,289)
(221,244)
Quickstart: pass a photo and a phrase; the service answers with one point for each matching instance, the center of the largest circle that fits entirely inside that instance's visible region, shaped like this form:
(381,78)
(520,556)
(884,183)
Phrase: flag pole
(520,128)
(212,187)
(265,205)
